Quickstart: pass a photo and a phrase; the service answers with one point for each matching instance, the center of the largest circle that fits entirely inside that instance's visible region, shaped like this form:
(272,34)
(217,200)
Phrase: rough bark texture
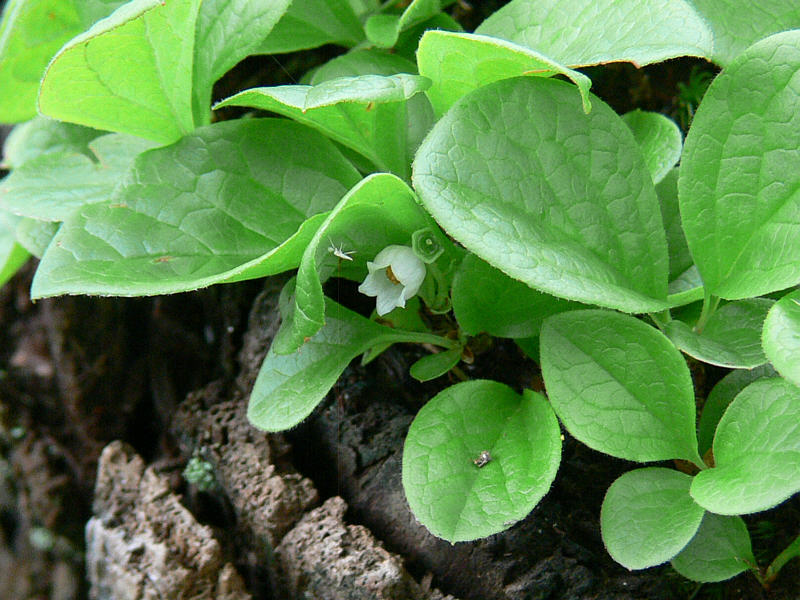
(143,544)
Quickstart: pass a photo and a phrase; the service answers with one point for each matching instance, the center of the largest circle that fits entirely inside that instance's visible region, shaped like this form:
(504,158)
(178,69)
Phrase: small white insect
(483,459)
(339,251)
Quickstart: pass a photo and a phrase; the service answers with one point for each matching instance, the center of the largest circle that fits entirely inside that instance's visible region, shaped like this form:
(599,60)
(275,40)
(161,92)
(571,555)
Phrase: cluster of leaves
(569,218)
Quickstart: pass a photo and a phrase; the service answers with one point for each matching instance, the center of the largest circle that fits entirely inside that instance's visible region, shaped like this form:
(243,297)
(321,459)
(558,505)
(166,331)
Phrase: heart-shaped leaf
(782,336)
(130,73)
(740,171)
(731,337)
(648,517)
(458,63)
(218,205)
(619,385)
(720,549)
(556,198)
(756,451)
(587,32)
(478,458)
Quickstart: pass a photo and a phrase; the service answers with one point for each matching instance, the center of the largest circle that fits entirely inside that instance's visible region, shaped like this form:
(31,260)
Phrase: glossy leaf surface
(587,32)
(458,63)
(731,338)
(720,549)
(648,516)
(756,451)
(487,300)
(556,198)
(130,73)
(448,492)
(782,336)
(619,386)
(218,205)
(659,138)
(740,173)
(366,113)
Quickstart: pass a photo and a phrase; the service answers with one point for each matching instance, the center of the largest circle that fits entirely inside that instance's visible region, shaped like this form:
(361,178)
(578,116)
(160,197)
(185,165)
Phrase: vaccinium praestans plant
(464,172)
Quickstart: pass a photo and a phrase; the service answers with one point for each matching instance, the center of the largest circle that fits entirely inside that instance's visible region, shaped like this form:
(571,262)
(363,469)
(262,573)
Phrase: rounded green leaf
(586,32)
(719,550)
(731,337)
(487,300)
(456,490)
(435,365)
(658,137)
(756,451)
(738,24)
(720,398)
(740,173)
(556,198)
(218,205)
(782,336)
(130,73)
(458,62)
(619,385)
(648,516)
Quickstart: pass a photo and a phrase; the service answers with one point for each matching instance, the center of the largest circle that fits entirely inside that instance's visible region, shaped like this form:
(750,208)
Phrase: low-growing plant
(451,171)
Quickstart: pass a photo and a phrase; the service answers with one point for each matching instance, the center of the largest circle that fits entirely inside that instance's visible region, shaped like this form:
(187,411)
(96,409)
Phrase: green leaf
(719,550)
(289,386)
(31,32)
(448,492)
(218,205)
(756,451)
(485,299)
(42,136)
(35,236)
(686,288)
(52,186)
(737,24)
(731,338)
(12,255)
(312,23)
(379,211)
(130,73)
(619,386)
(680,259)
(363,62)
(551,196)
(458,63)
(587,32)
(721,396)
(227,32)
(740,171)
(648,516)
(384,29)
(366,113)
(782,336)
(91,11)
(435,365)
(659,138)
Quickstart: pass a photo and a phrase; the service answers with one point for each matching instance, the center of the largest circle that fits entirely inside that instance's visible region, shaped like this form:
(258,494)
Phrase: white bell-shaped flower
(394,276)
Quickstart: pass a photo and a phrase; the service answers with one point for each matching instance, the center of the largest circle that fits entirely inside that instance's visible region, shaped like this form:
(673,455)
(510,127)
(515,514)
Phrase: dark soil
(81,372)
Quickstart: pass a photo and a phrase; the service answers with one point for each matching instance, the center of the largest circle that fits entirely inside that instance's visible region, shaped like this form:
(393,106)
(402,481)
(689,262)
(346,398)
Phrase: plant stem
(710,304)
(420,337)
(661,318)
(791,551)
